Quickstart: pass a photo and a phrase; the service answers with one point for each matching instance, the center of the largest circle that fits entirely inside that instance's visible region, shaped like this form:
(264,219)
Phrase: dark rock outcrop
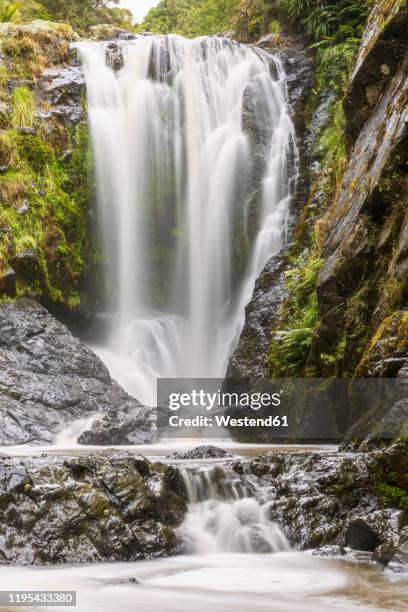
(248,360)
(63,87)
(106,507)
(48,378)
(334,499)
(203,452)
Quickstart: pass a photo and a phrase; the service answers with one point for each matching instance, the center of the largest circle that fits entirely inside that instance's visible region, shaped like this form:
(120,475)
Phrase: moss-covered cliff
(347,283)
(45,163)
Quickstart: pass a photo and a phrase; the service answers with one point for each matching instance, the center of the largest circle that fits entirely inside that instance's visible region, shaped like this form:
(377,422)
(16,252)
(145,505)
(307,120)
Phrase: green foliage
(334,64)
(8,147)
(8,10)
(80,14)
(290,344)
(326,21)
(56,194)
(275,27)
(332,150)
(392,496)
(36,151)
(23,113)
(190,18)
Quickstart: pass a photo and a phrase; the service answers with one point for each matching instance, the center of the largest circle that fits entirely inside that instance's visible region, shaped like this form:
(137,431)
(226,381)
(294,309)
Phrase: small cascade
(68,436)
(222,516)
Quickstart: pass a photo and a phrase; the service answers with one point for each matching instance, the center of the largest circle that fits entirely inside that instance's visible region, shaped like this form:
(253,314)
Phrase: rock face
(336,499)
(63,87)
(102,508)
(248,360)
(365,246)
(48,378)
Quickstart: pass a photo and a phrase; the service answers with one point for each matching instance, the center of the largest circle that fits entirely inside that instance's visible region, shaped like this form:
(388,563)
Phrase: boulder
(361,536)
(330,499)
(108,507)
(203,452)
(49,378)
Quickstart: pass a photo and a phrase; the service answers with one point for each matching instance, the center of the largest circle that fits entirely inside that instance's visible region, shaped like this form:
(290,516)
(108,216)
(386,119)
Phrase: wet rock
(389,354)
(386,29)
(26,263)
(48,378)
(249,358)
(269,41)
(328,501)
(121,426)
(348,248)
(63,88)
(24,208)
(67,155)
(360,536)
(114,56)
(204,452)
(99,508)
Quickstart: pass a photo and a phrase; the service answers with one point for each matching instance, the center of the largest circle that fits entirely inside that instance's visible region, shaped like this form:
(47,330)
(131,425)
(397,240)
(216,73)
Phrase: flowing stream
(196,162)
(234,560)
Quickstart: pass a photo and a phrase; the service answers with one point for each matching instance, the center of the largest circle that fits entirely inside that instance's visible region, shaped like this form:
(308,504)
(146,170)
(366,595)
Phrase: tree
(81,14)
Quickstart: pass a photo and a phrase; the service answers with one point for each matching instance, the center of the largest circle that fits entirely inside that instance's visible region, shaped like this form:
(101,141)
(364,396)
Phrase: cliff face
(45,184)
(342,310)
(365,244)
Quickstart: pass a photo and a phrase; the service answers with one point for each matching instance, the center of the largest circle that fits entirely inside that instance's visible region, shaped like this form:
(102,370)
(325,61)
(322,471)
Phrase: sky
(139,8)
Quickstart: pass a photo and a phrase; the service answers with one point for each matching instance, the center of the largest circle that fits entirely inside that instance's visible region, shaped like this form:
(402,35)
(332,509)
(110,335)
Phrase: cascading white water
(222,518)
(195,163)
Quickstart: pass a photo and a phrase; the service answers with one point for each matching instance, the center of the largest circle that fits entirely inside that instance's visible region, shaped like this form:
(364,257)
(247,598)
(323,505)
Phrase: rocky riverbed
(120,506)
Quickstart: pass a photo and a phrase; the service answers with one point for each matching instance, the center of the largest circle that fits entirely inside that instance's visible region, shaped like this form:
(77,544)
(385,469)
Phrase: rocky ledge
(102,508)
(49,378)
(335,501)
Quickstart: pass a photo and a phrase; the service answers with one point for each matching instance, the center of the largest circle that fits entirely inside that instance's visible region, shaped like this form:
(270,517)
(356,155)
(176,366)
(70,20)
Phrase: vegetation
(327,22)
(291,342)
(44,192)
(80,14)
(190,18)
(8,10)
(23,108)
(390,494)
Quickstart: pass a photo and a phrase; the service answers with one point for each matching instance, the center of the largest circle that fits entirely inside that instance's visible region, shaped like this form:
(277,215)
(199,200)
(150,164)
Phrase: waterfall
(223,518)
(195,161)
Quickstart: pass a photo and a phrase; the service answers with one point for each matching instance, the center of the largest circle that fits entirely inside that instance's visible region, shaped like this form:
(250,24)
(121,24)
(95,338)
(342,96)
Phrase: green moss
(54,222)
(392,496)
(23,113)
(36,151)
